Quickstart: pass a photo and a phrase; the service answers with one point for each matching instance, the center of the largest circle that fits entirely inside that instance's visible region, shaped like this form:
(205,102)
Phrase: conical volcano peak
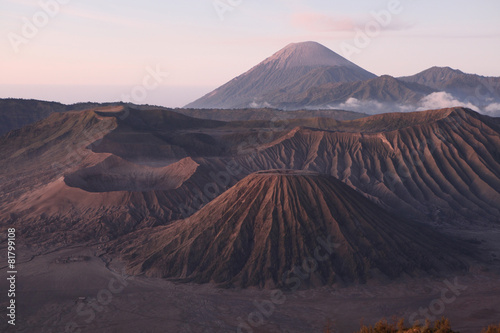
(271,221)
(299,65)
(310,54)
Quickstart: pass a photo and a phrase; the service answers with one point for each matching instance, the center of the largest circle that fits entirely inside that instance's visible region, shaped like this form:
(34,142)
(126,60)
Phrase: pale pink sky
(111,44)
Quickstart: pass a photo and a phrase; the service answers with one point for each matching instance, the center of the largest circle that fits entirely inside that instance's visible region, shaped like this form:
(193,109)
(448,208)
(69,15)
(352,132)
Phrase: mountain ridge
(437,167)
(384,89)
(478,89)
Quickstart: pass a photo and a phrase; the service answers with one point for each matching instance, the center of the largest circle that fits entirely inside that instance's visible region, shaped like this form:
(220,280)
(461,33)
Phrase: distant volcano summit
(308,54)
(297,67)
(271,222)
(310,76)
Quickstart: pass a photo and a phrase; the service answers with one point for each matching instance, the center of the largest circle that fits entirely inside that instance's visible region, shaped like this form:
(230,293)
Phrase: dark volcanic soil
(49,293)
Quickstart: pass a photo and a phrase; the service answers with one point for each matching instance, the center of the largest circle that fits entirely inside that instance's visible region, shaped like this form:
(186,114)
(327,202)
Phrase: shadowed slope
(441,166)
(16,113)
(471,87)
(38,153)
(384,89)
(269,222)
(57,190)
(116,174)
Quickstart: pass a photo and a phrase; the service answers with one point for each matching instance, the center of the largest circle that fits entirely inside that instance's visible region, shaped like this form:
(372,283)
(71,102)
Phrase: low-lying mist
(437,100)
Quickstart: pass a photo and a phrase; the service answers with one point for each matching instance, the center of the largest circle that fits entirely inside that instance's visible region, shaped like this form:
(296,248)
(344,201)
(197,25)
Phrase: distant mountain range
(308,75)
(468,87)
(384,89)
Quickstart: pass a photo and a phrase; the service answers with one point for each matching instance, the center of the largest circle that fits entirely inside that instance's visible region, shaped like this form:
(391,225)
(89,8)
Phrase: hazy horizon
(166,96)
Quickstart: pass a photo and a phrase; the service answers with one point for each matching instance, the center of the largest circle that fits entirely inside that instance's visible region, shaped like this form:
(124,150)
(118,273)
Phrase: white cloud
(372,107)
(256,105)
(492,110)
(441,100)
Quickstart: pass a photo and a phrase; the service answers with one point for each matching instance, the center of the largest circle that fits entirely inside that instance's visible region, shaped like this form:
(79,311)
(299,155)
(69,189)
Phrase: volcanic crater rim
(287,172)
